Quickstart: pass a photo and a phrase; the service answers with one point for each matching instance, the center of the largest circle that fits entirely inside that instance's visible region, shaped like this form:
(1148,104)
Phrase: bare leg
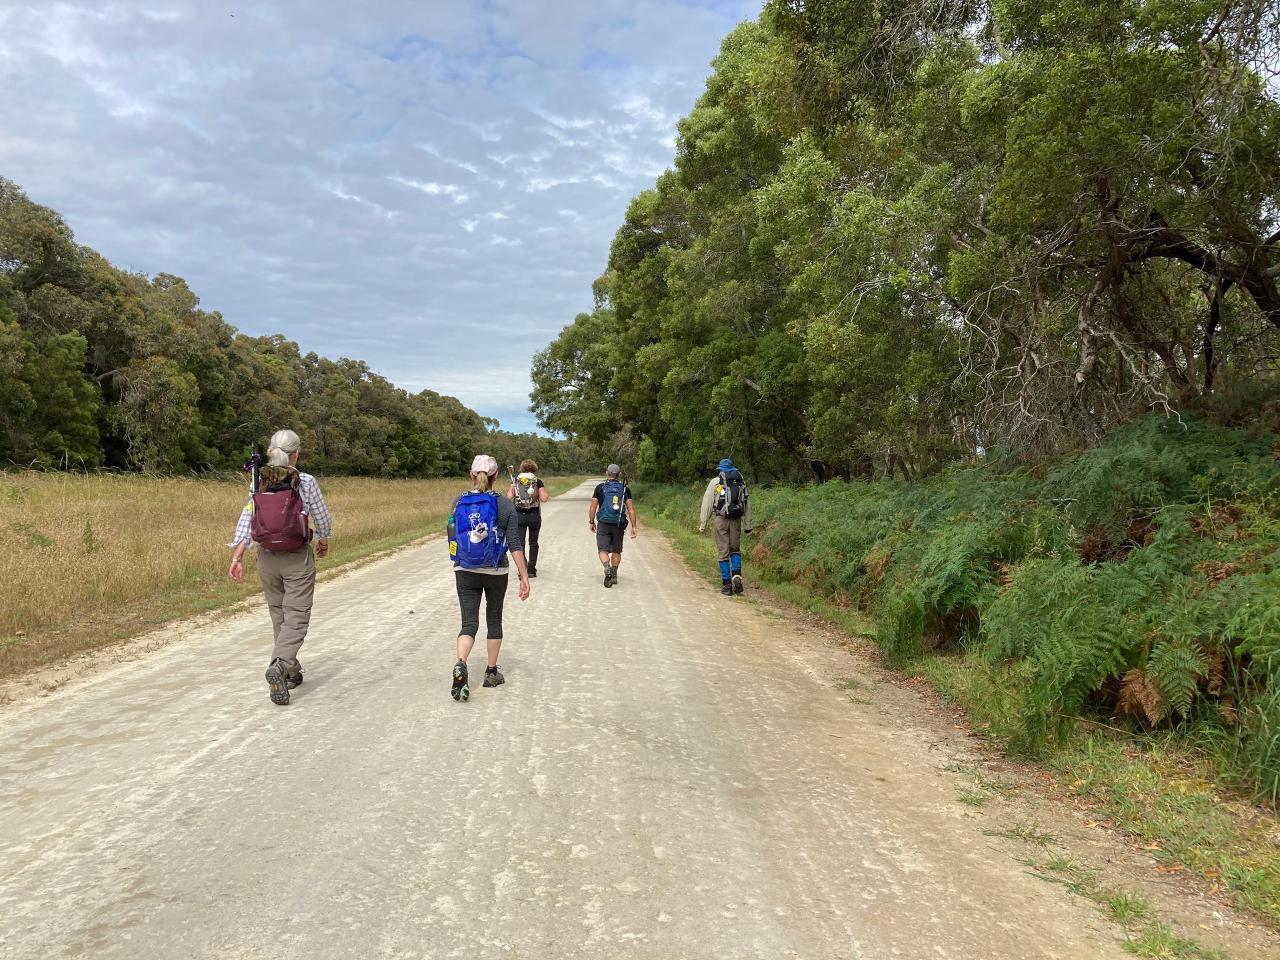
(465,644)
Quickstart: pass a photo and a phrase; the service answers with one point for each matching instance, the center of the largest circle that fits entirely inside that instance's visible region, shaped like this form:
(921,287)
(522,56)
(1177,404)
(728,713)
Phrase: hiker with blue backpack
(726,502)
(483,531)
(609,512)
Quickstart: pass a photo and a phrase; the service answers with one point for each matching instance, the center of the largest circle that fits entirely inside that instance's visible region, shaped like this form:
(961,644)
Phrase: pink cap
(483,463)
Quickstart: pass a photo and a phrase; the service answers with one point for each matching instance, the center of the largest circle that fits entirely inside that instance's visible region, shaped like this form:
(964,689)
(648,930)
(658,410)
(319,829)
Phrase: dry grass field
(97,558)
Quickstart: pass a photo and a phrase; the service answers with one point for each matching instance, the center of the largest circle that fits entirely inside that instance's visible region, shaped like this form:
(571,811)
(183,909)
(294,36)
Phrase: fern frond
(1178,665)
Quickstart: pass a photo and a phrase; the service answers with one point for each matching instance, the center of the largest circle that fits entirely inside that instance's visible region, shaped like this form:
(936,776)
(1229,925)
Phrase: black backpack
(731,494)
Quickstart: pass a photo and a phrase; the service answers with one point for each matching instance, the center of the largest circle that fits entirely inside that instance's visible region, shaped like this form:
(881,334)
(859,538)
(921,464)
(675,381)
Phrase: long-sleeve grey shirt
(709,503)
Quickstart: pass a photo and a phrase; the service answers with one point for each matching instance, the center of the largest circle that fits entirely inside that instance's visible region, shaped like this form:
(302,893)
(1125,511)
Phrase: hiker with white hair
(483,531)
(284,511)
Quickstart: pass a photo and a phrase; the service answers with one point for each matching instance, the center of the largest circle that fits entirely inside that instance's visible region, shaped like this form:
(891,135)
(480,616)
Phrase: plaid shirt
(312,501)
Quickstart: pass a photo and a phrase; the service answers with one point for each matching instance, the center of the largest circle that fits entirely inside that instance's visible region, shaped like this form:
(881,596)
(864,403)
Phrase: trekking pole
(251,467)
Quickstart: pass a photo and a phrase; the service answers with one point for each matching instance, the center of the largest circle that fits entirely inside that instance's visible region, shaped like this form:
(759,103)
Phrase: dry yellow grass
(93,559)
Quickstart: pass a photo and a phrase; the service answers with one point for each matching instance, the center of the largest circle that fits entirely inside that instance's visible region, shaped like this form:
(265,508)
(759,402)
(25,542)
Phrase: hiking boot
(726,589)
(278,681)
(613,574)
(461,690)
(492,677)
(533,572)
(608,576)
(738,585)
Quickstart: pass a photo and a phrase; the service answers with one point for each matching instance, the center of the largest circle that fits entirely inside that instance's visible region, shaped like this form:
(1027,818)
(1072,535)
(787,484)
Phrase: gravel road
(666,774)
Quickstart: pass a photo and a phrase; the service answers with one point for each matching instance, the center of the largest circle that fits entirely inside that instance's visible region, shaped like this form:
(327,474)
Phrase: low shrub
(1138,582)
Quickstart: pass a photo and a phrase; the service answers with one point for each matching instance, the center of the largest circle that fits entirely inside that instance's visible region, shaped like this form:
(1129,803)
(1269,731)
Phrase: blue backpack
(475,538)
(613,507)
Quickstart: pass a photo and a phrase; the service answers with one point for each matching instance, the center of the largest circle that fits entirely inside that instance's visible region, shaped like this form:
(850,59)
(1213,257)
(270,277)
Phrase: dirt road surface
(667,774)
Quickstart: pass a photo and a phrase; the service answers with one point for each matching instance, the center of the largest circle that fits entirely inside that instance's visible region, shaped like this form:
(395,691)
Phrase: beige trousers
(728,531)
(289,582)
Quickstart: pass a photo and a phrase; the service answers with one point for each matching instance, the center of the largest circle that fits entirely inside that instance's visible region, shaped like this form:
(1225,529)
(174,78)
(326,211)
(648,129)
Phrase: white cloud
(304,163)
(382,211)
(431,188)
(540,184)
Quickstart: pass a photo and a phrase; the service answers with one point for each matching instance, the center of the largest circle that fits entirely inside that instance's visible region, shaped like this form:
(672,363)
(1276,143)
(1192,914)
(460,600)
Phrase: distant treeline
(899,233)
(104,368)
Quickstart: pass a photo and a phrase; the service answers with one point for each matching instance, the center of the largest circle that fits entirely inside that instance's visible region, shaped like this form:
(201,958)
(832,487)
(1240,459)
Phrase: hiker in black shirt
(608,513)
(528,493)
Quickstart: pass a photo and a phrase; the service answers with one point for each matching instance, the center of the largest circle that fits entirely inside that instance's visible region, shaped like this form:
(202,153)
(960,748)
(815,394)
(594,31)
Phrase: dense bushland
(1138,581)
(898,232)
(102,367)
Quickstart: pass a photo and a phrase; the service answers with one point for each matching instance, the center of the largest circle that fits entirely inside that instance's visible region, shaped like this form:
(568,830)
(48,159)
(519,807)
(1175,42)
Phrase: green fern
(1188,594)
(1177,665)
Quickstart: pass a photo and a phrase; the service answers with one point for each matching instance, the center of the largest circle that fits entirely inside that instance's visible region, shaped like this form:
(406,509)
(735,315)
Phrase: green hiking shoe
(461,690)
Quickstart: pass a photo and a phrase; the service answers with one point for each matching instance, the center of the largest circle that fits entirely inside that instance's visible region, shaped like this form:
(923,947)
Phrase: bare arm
(512,525)
(511,492)
(522,569)
(631,515)
(592,506)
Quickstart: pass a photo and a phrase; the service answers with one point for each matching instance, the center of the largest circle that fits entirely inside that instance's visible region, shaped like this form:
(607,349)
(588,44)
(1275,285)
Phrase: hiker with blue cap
(726,503)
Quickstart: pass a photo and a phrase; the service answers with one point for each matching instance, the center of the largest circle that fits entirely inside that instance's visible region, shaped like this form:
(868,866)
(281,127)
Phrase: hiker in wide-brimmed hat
(483,531)
(284,511)
(726,503)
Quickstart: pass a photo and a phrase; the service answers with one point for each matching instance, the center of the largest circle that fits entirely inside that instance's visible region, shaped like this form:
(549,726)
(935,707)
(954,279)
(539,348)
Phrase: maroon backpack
(280,520)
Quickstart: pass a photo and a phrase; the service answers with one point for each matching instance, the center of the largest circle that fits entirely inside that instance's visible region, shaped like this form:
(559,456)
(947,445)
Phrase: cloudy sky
(428,185)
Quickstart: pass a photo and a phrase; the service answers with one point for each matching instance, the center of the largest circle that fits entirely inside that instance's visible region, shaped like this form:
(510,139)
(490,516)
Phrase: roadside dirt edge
(21,691)
(1021,798)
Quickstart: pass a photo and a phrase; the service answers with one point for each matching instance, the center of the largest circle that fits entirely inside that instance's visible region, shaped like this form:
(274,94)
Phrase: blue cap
(726,464)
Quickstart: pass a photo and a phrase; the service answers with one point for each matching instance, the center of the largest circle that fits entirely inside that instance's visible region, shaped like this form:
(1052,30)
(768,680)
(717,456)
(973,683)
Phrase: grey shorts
(609,537)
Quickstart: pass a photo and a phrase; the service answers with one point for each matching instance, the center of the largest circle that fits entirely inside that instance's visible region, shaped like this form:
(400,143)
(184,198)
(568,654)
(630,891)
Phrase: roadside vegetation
(96,558)
(898,233)
(985,301)
(105,367)
(1113,614)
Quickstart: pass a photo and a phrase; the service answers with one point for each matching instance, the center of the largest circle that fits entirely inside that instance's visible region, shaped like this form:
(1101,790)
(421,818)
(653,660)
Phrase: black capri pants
(530,525)
(471,586)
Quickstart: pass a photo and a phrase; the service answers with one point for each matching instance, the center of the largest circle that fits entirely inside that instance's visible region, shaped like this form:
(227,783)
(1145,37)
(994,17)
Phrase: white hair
(283,443)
